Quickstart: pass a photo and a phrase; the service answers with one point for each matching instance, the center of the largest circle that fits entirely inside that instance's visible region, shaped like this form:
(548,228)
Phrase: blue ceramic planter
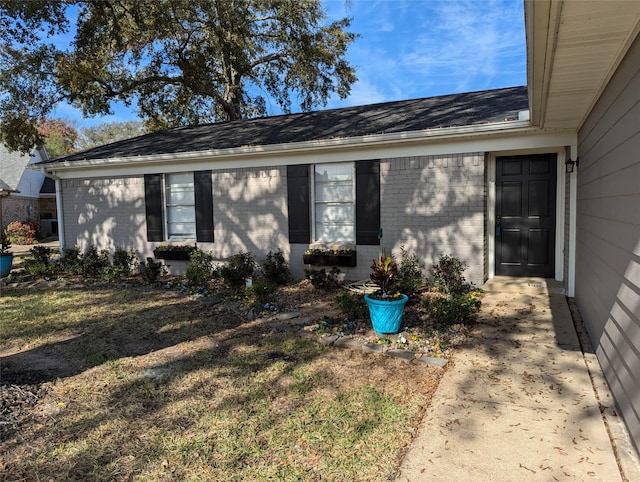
(5,265)
(386,316)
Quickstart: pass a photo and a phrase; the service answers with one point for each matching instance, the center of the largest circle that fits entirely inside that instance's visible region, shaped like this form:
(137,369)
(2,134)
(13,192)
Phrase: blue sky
(413,48)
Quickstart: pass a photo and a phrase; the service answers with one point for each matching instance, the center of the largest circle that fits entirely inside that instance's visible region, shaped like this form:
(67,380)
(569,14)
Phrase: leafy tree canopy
(182,62)
(59,136)
(109,132)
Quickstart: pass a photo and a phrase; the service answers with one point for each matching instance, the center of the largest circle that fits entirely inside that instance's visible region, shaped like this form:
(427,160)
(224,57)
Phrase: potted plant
(330,257)
(6,256)
(385,306)
(173,252)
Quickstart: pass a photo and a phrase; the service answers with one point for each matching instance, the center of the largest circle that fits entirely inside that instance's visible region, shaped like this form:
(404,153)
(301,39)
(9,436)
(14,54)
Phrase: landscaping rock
(405,356)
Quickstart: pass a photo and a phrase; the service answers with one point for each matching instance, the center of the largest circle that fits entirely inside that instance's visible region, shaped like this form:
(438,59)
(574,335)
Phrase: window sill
(344,260)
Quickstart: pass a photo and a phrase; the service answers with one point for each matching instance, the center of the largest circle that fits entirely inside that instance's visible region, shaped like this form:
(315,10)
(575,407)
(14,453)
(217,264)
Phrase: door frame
(560,208)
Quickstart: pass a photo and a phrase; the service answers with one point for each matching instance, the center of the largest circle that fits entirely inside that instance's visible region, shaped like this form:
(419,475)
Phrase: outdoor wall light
(569,165)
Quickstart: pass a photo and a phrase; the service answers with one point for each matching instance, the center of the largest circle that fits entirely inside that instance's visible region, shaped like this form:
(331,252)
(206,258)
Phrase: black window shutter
(204,206)
(367,202)
(153,206)
(298,203)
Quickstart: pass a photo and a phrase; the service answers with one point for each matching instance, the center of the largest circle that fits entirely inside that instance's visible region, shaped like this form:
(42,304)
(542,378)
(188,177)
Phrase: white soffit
(573,49)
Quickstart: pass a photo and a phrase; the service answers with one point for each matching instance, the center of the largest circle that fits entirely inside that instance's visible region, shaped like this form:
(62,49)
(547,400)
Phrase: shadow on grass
(94,326)
(215,396)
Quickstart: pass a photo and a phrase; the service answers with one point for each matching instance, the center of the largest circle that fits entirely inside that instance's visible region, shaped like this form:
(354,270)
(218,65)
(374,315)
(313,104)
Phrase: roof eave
(435,135)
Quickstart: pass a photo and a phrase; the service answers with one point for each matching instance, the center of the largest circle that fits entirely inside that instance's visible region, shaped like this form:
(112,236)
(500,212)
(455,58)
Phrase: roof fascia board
(542,20)
(522,139)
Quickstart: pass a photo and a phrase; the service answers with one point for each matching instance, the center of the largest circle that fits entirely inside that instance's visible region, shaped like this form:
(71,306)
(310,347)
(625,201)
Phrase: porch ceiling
(573,48)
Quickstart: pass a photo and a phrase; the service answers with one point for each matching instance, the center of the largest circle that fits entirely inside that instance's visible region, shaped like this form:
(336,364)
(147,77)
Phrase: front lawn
(146,384)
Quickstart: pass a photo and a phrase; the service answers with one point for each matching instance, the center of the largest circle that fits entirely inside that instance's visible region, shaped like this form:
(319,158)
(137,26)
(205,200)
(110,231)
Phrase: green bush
(351,304)
(124,262)
(38,261)
(151,271)
(322,280)
(199,269)
(122,265)
(70,260)
(410,278)
(276,269)
(237,269)
(452,309)
(446,276)
(93,262)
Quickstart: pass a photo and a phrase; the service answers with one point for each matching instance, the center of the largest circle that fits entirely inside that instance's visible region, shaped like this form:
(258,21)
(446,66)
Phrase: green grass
(163,388)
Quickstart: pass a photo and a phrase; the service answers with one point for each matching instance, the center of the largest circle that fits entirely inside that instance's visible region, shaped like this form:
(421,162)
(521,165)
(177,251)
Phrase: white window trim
(165,213)
(312,176)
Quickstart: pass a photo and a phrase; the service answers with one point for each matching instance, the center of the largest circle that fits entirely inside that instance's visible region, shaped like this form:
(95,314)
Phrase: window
(180,205)
(328,211)
(334,202)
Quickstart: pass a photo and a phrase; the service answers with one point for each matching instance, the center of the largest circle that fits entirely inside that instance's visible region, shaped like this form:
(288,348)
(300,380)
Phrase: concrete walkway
(519,403)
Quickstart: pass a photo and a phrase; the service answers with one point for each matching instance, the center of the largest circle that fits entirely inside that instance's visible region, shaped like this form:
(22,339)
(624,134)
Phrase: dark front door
(526,215)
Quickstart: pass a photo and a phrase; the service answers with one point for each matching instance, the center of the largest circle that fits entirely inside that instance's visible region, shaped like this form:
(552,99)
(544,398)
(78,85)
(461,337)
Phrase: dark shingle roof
(466,109)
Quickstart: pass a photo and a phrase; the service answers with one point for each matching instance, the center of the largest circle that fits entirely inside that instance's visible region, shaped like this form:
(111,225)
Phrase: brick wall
(249,211)
(431,205)
(435,205)
(18,208)
(106,213)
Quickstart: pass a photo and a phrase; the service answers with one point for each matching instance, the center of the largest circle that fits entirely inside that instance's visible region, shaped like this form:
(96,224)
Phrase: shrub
(237,269)
(351,304)
(124,261)
(123,264)
(93,262)
(276,269)
(322,280)
(446,276)
(70,261)
(199,269)
(23,233)
(151,271)
(38,262)
(410,278)
(452,309)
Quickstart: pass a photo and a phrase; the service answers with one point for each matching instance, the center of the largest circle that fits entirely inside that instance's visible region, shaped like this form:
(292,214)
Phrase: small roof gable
(12,166)
(466,109)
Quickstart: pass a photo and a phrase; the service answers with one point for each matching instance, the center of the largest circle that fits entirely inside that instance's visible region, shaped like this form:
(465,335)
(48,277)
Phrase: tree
(59,136)
(183,62)
(109,132)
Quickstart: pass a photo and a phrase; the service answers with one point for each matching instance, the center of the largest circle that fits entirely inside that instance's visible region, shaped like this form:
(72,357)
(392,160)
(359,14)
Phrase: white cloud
(470,46)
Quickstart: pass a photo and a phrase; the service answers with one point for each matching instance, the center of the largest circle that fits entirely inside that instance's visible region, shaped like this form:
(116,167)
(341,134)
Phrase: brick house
(542,180)
(26,194)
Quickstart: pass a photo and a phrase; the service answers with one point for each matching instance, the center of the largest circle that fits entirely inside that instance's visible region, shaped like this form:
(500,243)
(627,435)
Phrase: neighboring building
(26,194)
(490,177)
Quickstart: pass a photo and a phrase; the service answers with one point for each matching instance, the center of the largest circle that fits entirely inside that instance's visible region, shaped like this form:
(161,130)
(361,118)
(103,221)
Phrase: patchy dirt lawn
(139,384)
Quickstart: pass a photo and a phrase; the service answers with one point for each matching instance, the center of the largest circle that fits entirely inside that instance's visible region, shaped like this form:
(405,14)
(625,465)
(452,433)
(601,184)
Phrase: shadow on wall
(435,205)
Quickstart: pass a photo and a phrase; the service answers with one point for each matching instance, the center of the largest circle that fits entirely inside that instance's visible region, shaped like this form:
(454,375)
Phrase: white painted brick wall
(434,205)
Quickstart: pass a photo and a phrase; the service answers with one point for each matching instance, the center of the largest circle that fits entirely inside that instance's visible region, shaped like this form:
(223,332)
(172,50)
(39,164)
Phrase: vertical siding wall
(608,234)
(435,205)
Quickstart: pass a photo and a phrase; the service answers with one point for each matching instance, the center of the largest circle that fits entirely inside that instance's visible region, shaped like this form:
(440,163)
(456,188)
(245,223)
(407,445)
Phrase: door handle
(498,226)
